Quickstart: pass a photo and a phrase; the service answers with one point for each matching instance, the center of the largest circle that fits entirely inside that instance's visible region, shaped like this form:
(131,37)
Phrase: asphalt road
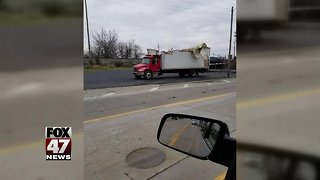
(30,101)
(281,110)
(43,45)
(41,81)
(120,78)
(278,96)
(113,130)
(294,35)
(126,99)
(184,136)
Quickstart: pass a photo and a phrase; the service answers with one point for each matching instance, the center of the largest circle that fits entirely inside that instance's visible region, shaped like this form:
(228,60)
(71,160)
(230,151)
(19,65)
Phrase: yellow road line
(41,142)
(30,145)
(174,138)
(277,52)
(21,146)
(241,105)
(156,107)
(277,98)
(221,176)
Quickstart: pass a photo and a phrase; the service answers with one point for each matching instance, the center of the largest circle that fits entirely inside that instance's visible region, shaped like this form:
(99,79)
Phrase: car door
(155,65)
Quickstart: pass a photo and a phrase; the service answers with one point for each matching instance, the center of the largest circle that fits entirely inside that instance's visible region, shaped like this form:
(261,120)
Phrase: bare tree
(112,44)
(99,40)
(105,44)
(129,49)
(137,51)
(121,49)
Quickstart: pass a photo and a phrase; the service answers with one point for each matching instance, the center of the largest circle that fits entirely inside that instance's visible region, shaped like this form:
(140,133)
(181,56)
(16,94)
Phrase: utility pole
(229,58)
(88,33)
(234,48)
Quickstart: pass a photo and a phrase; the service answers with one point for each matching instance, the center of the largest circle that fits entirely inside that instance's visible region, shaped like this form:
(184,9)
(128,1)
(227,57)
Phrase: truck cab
(149,65)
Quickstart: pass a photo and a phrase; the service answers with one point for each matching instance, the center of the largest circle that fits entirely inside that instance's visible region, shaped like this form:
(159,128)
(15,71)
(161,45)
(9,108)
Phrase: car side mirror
(195,136)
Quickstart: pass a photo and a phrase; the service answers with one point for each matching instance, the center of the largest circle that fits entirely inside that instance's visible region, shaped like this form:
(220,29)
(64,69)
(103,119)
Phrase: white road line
(90,98)
(86,98)
(97,97)
(109,94)
(155,88)
(106,95)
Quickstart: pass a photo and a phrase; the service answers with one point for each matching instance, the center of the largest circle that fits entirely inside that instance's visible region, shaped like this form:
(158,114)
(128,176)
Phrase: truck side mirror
(195,136)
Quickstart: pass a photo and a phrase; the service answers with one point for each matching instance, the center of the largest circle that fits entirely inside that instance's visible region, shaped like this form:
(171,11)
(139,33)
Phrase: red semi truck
(184,62)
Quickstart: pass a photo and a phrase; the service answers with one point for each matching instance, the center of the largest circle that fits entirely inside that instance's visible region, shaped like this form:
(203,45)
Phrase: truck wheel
(148,74)
(192,73)
(197,73)
(181,74)
(138,77)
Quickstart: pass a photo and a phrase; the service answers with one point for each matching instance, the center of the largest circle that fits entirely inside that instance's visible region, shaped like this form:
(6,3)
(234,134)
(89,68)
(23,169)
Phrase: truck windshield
(145,61)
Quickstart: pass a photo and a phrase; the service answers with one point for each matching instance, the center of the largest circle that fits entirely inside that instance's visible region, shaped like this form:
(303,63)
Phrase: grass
(9,18)
(16,12)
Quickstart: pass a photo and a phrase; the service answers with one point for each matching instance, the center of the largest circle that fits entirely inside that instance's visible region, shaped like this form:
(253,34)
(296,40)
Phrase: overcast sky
(173,24)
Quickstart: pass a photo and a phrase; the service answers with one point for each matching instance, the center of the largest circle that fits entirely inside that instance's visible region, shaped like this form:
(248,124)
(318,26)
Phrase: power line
(181,8)
(199,4)
(172,10)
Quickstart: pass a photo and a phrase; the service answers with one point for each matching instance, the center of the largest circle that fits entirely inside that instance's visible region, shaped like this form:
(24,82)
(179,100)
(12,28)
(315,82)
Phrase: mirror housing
(268,162)
(195,136)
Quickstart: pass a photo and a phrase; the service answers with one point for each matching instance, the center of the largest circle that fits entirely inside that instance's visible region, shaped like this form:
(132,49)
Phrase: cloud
(170,23)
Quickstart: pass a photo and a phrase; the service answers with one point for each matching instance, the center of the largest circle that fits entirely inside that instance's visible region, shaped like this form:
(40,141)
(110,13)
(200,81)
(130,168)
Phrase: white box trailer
(254,16)
(178,59)
(262,10)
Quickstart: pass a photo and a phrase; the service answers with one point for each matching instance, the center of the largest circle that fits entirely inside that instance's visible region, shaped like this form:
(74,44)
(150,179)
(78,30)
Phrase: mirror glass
(192,136)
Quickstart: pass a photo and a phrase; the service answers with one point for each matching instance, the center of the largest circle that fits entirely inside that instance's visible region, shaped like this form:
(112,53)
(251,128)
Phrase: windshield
(145,61)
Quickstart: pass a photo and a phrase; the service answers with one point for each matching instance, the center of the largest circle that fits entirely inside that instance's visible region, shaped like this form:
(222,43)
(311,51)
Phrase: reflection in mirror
(193,136)
(258,165)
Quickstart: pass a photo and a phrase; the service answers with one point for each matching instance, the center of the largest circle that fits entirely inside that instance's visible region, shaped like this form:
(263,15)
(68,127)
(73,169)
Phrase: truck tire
(137,77)
(192,73)
(181,73)
(148,74)
(197,73)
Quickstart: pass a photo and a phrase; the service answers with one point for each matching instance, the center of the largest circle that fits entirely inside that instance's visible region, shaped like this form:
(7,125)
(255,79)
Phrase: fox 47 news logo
(58,143)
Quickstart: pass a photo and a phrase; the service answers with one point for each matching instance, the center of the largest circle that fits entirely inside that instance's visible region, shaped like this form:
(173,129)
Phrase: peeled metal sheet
(201,52)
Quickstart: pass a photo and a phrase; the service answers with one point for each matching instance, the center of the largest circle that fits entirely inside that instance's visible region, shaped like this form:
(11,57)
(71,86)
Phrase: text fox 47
(58,143)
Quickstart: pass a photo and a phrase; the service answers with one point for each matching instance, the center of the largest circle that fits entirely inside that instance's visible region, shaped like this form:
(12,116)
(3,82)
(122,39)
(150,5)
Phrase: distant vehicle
(217,62)
(189,62)
(254,16)
(305,10)
(196,123)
